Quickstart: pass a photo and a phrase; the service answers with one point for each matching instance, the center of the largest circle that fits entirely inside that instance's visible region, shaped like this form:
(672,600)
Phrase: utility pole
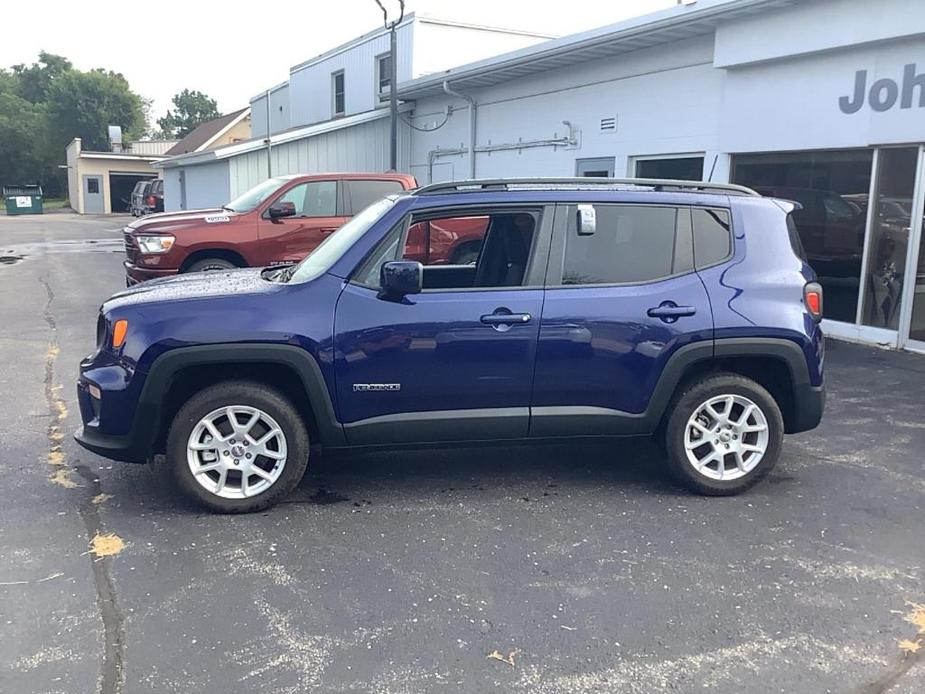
(393,80)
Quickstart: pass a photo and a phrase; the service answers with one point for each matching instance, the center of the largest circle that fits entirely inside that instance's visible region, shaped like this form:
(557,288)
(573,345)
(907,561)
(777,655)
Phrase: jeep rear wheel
(723,435)
(237,447)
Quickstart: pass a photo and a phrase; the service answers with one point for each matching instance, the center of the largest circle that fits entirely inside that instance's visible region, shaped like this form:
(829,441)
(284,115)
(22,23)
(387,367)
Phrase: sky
(232,51)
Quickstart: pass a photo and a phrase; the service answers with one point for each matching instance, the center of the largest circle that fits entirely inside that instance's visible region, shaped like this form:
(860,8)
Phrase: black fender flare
(808,400)
(160,378)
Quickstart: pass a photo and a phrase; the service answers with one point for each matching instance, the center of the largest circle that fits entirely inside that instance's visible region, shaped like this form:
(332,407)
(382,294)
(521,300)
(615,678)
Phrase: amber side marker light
(119,329)
(812,298)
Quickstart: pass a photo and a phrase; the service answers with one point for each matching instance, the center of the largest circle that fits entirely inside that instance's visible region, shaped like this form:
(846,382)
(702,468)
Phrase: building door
(912,318)
(93,195)
(600,167)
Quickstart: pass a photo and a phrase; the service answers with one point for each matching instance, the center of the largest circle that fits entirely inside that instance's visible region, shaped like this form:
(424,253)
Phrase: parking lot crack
(111,671)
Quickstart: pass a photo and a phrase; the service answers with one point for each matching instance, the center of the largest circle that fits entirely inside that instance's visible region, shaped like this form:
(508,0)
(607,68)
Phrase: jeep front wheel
(724,434)
(237,447)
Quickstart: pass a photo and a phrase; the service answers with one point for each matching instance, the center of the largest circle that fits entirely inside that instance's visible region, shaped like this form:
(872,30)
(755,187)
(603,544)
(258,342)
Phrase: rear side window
(712,236)
(631,244)
(362,194)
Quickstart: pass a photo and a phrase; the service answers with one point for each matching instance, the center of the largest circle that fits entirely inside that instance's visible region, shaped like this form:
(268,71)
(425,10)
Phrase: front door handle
(328,230)
(502,321)
(669,311)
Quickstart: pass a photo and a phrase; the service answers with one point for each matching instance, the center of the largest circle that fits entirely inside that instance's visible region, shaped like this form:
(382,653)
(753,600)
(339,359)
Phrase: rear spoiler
(787,206)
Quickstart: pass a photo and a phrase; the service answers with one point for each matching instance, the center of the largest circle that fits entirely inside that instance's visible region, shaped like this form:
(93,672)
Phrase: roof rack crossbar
(577,183)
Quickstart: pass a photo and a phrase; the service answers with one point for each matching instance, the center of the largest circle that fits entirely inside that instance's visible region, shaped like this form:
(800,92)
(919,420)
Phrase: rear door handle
(669,311)
(328,230)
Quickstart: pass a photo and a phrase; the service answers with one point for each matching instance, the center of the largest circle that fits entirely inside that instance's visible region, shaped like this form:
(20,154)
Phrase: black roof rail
(576,183)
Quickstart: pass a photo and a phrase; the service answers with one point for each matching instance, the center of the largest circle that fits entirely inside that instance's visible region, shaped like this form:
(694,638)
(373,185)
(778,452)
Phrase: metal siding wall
(207,185)
(259,116)
(310,87)
(361,148)
(665,102)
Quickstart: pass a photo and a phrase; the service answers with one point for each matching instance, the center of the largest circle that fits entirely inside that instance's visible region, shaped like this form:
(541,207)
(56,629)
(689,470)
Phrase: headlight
(154,244)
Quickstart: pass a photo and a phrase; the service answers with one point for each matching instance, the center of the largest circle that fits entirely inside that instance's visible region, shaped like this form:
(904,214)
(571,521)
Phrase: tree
(45,105)
(84,104)
(192,108)
(35,80)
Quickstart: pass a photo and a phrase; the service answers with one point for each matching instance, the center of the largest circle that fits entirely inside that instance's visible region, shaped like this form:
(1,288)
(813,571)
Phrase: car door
(619,302)
(454,362)
(319,213)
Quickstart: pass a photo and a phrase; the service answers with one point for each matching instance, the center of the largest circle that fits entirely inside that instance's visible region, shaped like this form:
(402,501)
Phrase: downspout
(269,144)
(472,124)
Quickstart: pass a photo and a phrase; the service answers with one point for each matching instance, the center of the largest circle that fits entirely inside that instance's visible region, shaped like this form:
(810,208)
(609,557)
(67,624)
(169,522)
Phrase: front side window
(631,244)
(484,250)
(337,96)
(313,199)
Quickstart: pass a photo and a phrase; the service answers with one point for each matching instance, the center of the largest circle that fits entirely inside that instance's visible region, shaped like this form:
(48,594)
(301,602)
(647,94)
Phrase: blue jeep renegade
(587,308)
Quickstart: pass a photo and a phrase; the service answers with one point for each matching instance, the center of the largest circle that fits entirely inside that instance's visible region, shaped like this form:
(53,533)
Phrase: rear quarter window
(712,236)
(795,243)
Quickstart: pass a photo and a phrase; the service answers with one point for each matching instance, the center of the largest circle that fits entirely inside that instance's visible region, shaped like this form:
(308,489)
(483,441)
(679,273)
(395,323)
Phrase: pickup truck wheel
(723,435)
(210,264)
(237,447)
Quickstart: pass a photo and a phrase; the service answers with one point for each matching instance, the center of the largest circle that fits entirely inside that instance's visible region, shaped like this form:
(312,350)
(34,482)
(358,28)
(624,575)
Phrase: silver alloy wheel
(236,452)
(726,437)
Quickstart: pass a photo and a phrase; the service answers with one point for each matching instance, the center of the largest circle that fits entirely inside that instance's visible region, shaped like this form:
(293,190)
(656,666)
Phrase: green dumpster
(23,199)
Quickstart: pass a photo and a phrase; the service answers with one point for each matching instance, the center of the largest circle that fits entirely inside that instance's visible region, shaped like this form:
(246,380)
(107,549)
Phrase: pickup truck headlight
(155,244)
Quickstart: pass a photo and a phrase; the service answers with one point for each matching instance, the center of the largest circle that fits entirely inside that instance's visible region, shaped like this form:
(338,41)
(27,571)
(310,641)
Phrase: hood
(195,285)
(169,221)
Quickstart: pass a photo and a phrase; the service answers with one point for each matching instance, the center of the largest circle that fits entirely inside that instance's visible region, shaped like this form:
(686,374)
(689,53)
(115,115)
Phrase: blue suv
(588,308)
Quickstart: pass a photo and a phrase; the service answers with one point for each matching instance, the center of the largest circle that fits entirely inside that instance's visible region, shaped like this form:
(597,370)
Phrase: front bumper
(116,425)
(135,274)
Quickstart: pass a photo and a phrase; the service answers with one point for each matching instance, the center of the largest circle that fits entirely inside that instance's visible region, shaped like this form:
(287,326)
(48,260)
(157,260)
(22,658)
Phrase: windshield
(332,248)
(256,195)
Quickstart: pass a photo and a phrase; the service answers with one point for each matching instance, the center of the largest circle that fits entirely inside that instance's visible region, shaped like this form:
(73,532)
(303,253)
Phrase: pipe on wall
(472,123)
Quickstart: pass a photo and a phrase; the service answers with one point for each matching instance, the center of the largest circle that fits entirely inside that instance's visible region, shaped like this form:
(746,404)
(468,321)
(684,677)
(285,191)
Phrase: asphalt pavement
(566,569)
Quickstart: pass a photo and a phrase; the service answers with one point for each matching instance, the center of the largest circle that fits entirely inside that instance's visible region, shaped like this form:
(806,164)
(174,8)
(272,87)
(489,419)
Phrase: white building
(821,101)
(332,113)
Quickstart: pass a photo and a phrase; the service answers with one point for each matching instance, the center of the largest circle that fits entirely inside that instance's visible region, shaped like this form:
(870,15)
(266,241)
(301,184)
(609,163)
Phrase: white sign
(217,218)
(23,201)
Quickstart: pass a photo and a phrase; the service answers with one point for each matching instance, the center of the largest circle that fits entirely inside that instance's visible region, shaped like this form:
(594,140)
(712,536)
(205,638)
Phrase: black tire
(689,401)
(210,265)
(232,393)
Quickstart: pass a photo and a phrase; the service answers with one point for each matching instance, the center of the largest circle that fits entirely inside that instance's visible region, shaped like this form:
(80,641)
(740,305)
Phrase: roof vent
(608,125)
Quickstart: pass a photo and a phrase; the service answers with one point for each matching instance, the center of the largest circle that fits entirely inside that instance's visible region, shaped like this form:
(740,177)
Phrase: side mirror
(281,209)
(399,278)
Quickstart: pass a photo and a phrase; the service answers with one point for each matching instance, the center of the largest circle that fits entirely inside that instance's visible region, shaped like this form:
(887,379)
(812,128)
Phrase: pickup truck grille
(131,248)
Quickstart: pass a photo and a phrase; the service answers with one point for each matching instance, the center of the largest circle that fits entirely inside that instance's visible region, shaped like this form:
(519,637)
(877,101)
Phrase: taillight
(150,201)
(812,299)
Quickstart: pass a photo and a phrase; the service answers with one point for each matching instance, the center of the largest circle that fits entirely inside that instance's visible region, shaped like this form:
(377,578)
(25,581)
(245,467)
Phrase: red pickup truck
(277,222)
